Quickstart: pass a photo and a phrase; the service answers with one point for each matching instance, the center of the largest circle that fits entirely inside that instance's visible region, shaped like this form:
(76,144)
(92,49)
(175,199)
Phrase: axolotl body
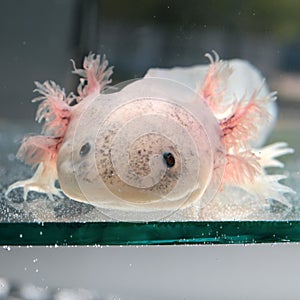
(173,139)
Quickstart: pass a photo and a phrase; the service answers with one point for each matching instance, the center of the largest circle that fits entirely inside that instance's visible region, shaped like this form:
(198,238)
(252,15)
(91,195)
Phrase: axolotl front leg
(43,181)
(41,151)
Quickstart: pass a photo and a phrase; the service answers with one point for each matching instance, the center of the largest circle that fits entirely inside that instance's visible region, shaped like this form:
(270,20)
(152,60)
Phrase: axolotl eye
(85,149)
(169,159)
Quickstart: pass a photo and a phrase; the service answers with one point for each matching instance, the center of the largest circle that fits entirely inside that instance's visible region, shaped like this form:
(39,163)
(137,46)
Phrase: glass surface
(152,233)
(157,35)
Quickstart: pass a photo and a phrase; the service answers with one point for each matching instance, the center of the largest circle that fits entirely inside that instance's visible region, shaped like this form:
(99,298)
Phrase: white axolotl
(173,139)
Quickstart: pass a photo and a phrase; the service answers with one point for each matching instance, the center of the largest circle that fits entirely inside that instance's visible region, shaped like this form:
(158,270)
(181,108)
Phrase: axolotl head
(152,145)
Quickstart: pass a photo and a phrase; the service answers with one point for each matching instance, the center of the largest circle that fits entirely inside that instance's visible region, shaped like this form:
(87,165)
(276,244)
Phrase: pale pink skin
(245,166)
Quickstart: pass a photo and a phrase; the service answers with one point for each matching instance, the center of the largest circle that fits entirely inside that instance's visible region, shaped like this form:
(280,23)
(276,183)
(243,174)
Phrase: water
(153,33)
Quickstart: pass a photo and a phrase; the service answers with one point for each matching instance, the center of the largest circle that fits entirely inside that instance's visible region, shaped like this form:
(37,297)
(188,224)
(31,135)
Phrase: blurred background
(39,37)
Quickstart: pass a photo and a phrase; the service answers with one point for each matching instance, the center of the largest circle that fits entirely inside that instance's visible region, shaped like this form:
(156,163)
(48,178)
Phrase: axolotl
(172,139)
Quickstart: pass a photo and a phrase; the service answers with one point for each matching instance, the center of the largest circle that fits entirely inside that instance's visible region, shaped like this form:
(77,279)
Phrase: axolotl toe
(170,140)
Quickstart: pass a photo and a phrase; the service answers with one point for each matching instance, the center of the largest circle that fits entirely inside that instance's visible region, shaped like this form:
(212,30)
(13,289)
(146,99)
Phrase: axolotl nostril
(171,139)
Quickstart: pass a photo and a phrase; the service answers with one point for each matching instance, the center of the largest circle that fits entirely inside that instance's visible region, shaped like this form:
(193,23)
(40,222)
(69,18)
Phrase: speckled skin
(128,135)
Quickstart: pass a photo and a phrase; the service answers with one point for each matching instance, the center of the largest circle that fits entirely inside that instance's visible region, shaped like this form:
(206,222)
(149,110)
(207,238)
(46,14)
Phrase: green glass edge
(152,233)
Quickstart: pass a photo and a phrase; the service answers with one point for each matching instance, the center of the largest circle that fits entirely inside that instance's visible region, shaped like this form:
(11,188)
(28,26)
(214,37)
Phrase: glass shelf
(152,233)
